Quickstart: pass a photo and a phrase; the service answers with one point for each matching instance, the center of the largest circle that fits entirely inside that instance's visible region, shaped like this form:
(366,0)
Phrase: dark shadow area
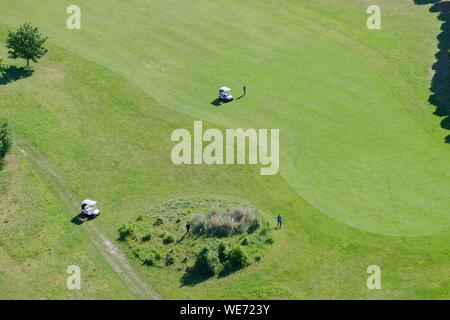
(183,237)
(80,218)
(447,139)
(239,98)
(14,74)
(440,84)
(191,279)
(217,102)
(226,272)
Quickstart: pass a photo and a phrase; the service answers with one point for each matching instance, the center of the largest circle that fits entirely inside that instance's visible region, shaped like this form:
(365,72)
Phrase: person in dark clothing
(244,90)
(188,228)
(279,221)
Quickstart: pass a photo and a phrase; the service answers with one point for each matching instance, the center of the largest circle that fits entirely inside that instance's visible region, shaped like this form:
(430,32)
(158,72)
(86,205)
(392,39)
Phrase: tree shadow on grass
(440,84)
(191,279)
(225,272)
(14,74)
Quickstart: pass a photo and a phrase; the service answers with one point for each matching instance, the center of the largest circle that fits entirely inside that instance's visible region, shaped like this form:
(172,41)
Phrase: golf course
(364,147)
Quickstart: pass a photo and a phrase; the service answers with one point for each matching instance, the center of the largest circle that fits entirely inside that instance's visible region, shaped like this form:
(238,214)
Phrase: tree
(5,139)
(26,43)
(238,258)
(3,68)
(206,262)
(223,252)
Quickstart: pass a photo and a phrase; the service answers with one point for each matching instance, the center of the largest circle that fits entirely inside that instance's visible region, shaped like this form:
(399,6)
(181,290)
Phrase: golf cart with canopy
(225,94)
(89,209)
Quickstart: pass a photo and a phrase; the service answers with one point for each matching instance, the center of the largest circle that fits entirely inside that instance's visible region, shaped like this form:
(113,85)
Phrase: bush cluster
(223,260)
(233,221)
(168,239)
(5,139)
(170,258)
(160,238)
(206,262)
(127,231)
(149,257)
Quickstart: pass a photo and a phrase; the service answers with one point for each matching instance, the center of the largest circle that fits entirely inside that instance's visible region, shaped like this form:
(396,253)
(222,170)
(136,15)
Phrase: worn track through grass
(110,252)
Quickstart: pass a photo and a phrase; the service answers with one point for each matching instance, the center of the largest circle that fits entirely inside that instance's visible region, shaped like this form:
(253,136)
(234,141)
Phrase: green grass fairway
(364,167)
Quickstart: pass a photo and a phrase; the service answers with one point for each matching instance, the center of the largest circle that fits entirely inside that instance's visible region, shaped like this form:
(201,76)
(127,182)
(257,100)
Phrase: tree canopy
(5,139)
(27,43)
(3,68)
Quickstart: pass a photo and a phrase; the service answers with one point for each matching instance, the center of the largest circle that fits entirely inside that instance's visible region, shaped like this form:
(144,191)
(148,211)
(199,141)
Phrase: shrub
(149,262)
(3,69)
(5,139)
(168,239)
(241,213)
(270,240)
(238,259)
(147,237)
(127,230)
(170,258)
(255,224)
(158,222)
(157,255)
(199,224)
(220,225)
(264,231)
(223,251)
(150,257)
(245,242)
(206,262)
(227,269)
(234,220)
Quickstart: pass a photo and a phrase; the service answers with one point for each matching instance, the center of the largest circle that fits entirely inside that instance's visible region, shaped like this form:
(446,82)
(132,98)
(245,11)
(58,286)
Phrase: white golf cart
(225,94)
(89,208)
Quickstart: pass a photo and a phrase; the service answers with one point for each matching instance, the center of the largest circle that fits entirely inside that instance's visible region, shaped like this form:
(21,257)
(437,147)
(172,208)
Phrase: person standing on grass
(188,228)
(279,221)
(244,90)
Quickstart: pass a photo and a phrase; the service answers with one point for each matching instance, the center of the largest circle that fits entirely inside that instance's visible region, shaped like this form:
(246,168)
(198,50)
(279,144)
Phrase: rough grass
(234,220)
(37,269)
(159,238)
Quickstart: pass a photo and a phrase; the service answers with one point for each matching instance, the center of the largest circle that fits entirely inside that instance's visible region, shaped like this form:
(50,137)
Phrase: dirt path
(110,252)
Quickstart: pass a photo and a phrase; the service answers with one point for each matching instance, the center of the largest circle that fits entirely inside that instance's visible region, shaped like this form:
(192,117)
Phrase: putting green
(364,173)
